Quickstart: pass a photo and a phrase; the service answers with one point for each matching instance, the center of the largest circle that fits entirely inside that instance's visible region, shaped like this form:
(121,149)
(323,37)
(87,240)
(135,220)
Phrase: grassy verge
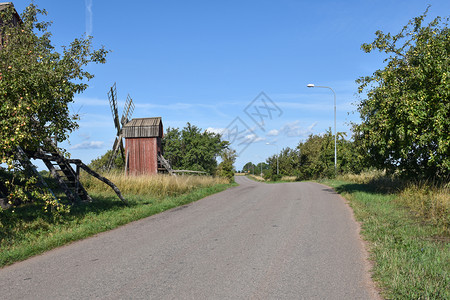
(407,228)
(29,231)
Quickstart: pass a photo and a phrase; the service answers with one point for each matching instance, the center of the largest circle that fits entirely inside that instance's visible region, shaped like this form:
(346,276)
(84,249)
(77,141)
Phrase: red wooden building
(142,145)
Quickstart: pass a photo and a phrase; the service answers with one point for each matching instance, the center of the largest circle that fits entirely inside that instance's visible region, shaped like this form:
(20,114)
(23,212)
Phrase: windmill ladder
(66,176)
(165,164)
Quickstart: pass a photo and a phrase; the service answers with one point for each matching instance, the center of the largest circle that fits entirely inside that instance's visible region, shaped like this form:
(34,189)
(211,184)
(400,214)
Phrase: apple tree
(37,83)
(405,126)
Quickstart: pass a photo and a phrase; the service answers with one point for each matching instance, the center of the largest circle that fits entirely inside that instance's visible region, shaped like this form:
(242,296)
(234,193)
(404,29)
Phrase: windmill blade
(118,145)
(128,110)
(112,97)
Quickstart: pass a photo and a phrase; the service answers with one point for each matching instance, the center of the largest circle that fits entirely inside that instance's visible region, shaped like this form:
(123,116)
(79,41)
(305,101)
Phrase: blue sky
(207,63)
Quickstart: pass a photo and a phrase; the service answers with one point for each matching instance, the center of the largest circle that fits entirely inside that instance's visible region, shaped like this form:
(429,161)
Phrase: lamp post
(261,164)
(277,155)
(311,85)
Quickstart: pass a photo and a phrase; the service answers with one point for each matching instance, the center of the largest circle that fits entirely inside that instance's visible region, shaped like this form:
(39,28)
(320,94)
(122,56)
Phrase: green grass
(410,250)
(29,231)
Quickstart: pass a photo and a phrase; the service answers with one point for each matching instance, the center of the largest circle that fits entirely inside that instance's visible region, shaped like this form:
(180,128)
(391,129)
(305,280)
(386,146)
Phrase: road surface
(253,241)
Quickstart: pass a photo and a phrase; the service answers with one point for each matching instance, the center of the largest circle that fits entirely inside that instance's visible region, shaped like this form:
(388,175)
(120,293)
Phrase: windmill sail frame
(118,123)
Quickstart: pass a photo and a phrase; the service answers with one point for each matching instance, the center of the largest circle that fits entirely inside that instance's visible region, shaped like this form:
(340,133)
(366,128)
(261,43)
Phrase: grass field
(29,231)
(407,227)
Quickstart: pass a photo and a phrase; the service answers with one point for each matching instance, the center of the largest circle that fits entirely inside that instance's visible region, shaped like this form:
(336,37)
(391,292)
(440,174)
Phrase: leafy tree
(191,149)
(226,168)
(317,156)
(348,160)
(262,167)
(36,85)
(249,167)
(288,161)
(100,163)
(406,114)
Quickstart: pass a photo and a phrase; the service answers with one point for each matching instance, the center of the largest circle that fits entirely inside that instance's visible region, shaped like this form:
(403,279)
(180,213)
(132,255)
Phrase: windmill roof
(143,127)
(4,5)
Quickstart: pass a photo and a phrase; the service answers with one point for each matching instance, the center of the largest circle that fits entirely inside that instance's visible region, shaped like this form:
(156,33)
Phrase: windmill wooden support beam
(165,165)
(189,171)
(99,177)
(69,179)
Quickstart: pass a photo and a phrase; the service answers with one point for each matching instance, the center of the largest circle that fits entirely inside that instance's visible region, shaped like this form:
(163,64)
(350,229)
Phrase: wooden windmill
(127,111)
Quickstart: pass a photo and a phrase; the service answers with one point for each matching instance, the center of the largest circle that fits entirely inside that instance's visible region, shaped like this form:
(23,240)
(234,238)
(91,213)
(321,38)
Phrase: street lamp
(261,164)
(311,85)
(277,154)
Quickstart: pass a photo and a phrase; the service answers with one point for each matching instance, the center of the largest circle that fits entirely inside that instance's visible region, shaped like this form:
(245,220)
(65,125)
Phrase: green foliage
(314,158)
(262,167)
(272,175)
(249,167)
(191,149)
(317,156)
(288,161)
(36,85)
(226,168)
(100,164)
(406,115)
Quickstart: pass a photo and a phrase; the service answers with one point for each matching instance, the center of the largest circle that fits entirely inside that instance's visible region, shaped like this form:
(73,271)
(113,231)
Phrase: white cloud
(89,16)
(273,132)
(215,130)
(251,138)
(293,129)
(88,145)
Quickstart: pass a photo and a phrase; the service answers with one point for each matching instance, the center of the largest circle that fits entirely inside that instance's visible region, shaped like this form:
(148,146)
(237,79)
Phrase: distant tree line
(313,158)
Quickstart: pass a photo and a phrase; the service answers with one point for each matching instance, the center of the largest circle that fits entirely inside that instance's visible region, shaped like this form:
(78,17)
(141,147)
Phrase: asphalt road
(254,241)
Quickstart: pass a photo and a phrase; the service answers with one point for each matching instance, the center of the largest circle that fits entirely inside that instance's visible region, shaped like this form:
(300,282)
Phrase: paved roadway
(254,241)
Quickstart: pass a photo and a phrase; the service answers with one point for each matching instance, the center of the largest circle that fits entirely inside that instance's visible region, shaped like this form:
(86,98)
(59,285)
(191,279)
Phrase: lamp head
(310,85)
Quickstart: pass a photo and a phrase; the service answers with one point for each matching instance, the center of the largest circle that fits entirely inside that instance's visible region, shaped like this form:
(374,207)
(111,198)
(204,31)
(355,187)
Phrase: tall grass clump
(363,177)
(428,200)
(151,185)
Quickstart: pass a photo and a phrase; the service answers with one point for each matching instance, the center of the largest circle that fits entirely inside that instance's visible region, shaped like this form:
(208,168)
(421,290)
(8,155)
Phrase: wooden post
(99,177)
(126,164)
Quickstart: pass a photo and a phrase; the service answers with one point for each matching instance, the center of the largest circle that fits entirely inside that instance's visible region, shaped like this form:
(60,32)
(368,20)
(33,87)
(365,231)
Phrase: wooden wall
(142,155)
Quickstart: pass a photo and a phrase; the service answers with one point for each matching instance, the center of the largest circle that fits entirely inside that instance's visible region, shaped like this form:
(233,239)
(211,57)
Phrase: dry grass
(154,185)
(363,177)
(426,199)
(256,177)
